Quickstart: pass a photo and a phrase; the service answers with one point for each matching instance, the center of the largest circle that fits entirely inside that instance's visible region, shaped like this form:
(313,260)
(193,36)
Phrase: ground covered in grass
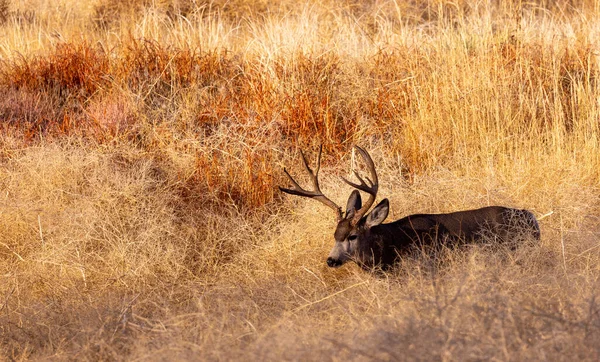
(142,143)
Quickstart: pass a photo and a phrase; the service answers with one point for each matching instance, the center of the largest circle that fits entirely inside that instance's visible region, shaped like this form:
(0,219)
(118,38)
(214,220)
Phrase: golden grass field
(142,143)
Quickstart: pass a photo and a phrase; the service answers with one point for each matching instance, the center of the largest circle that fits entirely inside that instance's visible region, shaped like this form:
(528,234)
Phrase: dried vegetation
(141,143)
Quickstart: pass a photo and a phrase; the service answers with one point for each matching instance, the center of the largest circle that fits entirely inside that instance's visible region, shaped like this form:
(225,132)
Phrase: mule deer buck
(365,239)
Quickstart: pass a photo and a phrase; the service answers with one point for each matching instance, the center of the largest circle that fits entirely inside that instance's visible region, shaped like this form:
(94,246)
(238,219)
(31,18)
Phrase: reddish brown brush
(141,144)
(243,178)
(72,72)
(45,94)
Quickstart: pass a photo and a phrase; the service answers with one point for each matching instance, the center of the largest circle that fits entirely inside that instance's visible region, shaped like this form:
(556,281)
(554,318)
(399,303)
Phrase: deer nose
(332,263)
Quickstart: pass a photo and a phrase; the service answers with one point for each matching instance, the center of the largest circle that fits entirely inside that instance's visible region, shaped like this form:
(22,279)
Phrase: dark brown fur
(381,244)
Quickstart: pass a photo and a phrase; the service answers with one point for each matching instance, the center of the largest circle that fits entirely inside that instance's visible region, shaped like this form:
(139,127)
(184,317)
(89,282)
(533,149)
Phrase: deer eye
(352,237)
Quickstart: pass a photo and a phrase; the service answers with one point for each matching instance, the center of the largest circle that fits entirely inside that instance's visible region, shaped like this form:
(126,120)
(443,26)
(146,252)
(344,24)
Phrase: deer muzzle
(334,263)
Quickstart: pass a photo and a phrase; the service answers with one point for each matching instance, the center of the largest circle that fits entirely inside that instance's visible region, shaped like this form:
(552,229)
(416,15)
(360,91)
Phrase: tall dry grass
(142,143)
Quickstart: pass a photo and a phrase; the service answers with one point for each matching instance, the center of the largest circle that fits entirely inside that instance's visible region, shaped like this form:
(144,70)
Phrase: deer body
(364,238)
(381,245)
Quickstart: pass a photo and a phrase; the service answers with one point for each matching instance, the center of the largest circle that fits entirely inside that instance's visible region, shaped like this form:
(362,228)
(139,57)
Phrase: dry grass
(141,144)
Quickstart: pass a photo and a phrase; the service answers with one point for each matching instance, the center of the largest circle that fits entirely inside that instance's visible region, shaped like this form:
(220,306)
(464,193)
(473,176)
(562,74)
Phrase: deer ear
(378,214)
(354,203)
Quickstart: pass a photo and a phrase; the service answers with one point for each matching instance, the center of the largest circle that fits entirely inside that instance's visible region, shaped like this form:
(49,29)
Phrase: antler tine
(316,193)
(297,190)
(363,186)
(314,175)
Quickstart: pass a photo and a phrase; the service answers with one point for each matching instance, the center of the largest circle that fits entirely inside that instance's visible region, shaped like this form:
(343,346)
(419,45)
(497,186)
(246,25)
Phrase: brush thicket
(142,143)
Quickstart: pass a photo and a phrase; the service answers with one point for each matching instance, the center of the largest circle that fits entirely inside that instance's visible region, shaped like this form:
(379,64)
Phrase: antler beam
(316,193)
(363,186)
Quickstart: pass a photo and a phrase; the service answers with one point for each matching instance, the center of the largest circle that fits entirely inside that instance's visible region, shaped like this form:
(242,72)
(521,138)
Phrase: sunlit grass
(141,144)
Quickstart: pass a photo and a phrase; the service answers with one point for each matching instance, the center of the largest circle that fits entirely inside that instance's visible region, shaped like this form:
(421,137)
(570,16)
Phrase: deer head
(353,237)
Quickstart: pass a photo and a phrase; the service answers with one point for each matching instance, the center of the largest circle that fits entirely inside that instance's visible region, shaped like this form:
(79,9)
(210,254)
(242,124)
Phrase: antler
(316,193)
(371,190)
